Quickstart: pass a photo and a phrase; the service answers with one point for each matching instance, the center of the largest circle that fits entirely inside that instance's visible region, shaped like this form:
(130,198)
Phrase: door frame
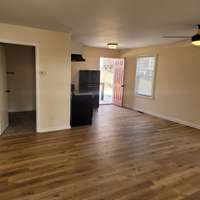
(37,82)
(103,57)
(3,125)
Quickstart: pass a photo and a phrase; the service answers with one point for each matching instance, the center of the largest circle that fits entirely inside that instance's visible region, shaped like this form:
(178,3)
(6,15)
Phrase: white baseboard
(52,129)
(190,124)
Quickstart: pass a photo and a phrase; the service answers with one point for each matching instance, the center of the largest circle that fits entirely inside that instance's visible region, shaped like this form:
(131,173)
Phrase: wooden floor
(125,155)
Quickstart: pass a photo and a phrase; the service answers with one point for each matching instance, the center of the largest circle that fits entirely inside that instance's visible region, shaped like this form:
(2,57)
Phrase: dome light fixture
(196,38)
(112,45)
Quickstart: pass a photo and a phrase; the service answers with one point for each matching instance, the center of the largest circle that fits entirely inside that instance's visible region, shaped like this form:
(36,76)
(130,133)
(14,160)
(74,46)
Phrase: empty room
(99,100)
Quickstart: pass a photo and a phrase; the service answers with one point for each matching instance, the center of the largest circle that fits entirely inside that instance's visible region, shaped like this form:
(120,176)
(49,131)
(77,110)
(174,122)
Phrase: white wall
(177,86)
(53,72)
(20,60)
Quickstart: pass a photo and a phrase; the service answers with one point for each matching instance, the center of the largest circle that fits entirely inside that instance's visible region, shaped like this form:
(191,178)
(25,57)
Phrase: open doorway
(18,93)
(111,81)
(106,80)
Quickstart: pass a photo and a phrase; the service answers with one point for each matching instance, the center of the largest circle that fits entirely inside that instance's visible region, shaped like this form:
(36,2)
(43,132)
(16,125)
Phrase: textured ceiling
(131,23)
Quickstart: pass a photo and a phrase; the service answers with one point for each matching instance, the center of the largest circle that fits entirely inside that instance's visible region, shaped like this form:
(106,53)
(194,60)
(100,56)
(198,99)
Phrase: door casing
(3,94)
(36,46)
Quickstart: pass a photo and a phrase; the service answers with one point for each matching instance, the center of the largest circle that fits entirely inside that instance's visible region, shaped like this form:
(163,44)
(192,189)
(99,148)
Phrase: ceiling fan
(195,38)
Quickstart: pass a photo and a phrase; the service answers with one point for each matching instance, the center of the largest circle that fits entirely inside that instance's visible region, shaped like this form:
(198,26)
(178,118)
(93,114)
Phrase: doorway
(19,89)
(111,81)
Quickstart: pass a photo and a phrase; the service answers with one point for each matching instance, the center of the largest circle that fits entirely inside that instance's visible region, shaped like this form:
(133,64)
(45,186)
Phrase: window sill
(145,96)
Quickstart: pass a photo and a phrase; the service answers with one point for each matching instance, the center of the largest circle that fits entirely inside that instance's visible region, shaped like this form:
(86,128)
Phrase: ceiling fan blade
(177,36)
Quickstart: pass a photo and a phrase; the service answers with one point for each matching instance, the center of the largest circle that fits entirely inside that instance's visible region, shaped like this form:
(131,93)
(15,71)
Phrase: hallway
(21,123)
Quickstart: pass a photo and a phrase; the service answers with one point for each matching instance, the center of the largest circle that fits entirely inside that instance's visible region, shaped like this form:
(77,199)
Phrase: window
(145,73)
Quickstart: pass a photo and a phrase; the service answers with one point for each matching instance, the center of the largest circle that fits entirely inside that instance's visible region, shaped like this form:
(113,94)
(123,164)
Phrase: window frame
(154,77)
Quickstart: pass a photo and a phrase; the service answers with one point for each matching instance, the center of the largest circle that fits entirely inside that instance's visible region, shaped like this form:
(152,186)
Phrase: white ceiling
(131,23)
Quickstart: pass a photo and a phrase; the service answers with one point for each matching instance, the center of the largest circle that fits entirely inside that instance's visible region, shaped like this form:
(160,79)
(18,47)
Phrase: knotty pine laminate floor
(124,155)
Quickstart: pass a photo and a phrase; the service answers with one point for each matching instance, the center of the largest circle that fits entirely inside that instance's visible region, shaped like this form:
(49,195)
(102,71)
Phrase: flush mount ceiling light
(112,45)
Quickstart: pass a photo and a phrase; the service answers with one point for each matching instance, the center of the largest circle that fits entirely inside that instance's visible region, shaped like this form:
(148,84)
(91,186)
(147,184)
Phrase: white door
(3,94)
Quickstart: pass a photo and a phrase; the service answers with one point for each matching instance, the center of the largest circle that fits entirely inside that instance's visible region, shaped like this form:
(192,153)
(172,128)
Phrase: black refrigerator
(89,82)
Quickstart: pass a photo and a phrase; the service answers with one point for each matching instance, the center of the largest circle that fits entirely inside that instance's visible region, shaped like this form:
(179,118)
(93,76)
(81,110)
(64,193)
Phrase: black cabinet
(89,81)
(81,109)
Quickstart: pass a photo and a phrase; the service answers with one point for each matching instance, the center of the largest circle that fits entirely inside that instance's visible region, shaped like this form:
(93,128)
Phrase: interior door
(118,82)
(3,94)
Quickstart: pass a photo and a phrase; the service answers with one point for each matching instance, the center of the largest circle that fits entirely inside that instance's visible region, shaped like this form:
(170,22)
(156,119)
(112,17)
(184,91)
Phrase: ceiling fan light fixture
(196,40)
(112,45)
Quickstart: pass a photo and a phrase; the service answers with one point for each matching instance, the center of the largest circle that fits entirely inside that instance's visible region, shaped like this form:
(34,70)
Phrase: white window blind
(145,74)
